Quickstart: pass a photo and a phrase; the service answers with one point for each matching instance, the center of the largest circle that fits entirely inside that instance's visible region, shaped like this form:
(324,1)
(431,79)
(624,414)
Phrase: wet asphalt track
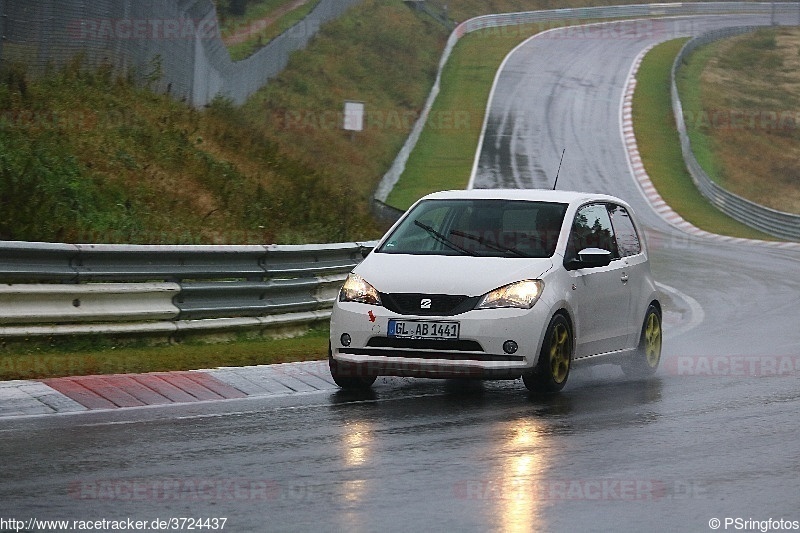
(711,436)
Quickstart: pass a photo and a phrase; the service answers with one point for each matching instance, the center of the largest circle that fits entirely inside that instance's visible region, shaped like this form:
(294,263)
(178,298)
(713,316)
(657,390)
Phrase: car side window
(624,230)
(592,229)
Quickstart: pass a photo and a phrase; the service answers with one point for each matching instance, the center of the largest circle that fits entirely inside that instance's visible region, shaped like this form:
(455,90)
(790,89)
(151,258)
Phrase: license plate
(423,329)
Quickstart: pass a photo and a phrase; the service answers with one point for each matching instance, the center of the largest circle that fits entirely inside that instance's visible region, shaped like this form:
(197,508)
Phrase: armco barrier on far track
(62,289)
(771,221)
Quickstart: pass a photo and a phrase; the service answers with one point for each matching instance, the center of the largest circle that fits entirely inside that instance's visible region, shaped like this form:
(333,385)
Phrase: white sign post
(353,117)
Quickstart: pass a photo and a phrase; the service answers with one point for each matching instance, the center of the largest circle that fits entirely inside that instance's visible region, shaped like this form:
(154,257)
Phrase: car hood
(438,274)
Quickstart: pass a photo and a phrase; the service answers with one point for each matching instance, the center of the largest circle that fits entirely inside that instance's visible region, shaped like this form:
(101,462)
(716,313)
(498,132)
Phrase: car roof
(538,195)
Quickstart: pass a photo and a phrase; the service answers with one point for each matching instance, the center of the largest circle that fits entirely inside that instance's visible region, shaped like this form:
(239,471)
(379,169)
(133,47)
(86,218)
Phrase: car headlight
(522,294)
(356,289)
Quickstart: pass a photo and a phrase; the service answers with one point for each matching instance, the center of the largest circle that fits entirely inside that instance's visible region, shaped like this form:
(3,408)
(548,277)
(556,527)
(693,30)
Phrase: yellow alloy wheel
(652,340)
(560,351)
(552,369)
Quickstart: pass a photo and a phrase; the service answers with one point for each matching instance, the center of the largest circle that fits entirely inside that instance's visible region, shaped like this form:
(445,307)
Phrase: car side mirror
(590,258)
(365,250)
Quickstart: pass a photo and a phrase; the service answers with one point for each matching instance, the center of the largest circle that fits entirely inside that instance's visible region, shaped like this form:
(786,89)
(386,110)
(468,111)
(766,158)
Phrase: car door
(601,295)
(632,253)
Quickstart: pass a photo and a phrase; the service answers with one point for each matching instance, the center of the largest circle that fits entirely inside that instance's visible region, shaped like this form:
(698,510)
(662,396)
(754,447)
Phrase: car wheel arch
(655,303)
(549,375)
(649,302)
(563,311)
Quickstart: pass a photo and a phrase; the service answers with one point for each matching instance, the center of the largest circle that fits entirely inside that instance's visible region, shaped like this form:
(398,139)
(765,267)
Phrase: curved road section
(563,90)
(709,443)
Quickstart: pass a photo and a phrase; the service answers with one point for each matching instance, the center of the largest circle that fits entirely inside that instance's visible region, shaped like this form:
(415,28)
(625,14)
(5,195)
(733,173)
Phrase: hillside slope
(85,157)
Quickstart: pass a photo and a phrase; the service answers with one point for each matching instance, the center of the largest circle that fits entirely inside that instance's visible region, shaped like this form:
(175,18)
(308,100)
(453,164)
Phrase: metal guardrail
(771,221)
(61,289)
(767,219)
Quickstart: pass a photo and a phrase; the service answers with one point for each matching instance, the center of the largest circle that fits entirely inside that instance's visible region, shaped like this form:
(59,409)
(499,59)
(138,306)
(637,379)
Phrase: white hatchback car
(498,284)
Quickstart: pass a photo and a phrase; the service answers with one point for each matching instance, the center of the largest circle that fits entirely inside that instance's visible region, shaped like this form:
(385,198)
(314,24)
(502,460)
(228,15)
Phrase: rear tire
(552,369)
(349,376)
(648,353)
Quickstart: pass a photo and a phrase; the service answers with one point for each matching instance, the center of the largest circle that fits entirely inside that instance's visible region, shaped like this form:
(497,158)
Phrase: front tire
(552,369)
(349,376)
(648,354)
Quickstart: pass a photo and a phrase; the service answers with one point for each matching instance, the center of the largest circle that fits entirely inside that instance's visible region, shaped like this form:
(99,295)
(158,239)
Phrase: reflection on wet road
(475,456)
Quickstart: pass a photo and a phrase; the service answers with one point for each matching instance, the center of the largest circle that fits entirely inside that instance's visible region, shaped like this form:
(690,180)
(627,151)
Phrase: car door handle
(624,277)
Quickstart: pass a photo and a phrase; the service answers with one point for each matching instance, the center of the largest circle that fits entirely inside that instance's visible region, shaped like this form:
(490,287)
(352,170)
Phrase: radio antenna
(559,168)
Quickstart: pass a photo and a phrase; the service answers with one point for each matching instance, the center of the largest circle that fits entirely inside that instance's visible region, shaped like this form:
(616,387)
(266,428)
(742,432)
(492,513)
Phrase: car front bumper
(477,353)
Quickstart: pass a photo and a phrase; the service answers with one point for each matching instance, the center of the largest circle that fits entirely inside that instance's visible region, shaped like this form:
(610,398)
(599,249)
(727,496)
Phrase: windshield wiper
(442,239)
(483,242)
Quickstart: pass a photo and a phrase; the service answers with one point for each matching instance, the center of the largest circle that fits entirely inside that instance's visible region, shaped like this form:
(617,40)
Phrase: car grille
(425,344)
(431,354)
(452,350)
(441,304)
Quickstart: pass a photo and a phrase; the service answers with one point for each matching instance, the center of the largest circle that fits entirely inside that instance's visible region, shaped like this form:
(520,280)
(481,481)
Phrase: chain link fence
(174,46)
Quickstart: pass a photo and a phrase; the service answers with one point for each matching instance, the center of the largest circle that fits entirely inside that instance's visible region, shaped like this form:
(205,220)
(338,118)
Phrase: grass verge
(79,357)
(659,146)
(444,155)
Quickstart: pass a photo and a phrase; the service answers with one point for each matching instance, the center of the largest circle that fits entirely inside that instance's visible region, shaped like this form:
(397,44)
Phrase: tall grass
(382,54)
(741,97)
(87,157)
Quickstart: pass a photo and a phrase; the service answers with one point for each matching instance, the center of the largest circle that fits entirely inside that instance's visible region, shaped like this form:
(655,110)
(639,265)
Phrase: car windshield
(481,227)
